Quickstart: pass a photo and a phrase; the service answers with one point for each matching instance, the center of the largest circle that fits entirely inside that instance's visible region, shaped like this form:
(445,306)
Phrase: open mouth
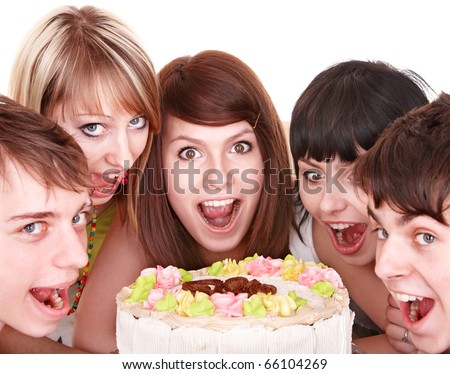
(414,307)
(348,235)
(107,185)
(219,214)
(51,297)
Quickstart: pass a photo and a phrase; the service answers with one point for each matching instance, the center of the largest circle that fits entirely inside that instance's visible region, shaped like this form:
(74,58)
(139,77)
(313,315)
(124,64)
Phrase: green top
(104,221)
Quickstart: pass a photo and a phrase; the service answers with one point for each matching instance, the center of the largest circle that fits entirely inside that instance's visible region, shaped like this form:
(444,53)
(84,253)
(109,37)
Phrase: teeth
(341,226)
(405,298)
(56,300)
(216,203)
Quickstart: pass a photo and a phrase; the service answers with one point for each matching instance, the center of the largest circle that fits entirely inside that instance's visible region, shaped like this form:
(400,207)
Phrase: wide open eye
(240,147)
(79,219)
(138,123)
(189,153)
(382,234)
(34,228)
(313,175)
(93,129)
(425,238)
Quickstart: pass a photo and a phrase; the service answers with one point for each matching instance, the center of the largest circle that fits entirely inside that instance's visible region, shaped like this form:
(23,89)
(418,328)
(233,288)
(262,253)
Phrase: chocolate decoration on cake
(236,285)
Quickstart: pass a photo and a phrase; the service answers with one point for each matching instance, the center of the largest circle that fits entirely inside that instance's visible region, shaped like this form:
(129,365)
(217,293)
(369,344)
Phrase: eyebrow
(328,160)
(199,141)
(43,215)
(403,220)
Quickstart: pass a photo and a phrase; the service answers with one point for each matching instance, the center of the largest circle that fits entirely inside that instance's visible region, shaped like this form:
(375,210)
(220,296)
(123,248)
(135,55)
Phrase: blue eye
(93,129)
(425,238)
(240,147)
(138,123)
(313,175)
(382,234)
(79,219)
(34,228)
(189,153)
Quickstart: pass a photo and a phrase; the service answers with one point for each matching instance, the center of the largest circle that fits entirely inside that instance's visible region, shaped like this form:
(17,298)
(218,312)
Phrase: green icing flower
(254,308)
(141,288)
(299,301)
(323,288)
(215,269)
(185,275)
(167,304)
(201,308)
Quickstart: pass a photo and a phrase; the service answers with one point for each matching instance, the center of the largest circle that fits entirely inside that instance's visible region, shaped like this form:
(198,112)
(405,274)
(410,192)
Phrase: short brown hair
(41,147)
(409,166)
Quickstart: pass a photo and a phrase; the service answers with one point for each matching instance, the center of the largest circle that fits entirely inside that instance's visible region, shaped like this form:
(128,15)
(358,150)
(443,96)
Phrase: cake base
(147,334)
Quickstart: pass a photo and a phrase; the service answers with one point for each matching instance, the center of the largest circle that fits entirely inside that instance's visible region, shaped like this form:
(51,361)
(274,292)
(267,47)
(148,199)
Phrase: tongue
(352,234)
(217,216)
(41,294)
(425,306)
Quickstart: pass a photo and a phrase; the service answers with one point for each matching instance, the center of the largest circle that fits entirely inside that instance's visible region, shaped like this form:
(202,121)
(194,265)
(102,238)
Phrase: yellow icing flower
(184,299)
(291,268)
(278,305)
(230,267)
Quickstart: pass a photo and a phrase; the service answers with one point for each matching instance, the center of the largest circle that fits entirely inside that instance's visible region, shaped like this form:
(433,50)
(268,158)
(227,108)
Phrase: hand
(397,334)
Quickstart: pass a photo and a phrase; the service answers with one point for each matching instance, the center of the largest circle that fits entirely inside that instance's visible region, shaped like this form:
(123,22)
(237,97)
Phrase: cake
(257,305)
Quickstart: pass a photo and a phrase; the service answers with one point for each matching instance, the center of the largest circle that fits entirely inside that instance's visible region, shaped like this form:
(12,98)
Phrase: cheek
(310,200)
(138,143)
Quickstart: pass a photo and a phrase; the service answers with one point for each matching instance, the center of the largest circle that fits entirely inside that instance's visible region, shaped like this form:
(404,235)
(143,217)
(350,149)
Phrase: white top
(303,249)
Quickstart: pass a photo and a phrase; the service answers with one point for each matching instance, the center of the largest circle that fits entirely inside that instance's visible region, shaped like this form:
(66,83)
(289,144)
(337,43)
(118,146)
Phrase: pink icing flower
(264,267)
(148,271)
(153,297)
(333,277)
(228,304)
(167,277)
(313,274)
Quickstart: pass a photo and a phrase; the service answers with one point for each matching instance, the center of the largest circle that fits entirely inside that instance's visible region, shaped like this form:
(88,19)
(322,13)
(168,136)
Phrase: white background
(286,42)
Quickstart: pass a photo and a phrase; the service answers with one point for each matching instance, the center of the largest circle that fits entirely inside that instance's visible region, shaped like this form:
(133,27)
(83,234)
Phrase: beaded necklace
(83,279)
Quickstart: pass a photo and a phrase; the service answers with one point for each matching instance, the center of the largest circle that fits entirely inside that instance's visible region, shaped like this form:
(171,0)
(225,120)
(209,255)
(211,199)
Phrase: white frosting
(322,326)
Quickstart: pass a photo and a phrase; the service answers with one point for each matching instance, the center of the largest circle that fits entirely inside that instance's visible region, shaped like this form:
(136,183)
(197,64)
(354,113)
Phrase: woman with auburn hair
(86,70)
(217,183)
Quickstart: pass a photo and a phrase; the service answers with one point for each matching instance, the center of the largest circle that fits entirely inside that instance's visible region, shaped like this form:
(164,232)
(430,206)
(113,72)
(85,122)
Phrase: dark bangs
(346,107)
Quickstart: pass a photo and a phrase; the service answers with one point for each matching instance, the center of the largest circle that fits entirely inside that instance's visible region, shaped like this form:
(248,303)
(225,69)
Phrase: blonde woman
(86,70)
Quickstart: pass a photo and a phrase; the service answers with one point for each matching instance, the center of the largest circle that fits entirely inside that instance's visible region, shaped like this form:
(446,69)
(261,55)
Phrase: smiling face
(214,183)
(111,141)
(413,260)
(327,193)
(42,247)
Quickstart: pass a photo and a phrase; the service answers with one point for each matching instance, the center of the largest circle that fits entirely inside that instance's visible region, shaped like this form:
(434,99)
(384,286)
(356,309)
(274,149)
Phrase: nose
(70,249)
(120,153)
(218,176)
(391,262)
(332,200)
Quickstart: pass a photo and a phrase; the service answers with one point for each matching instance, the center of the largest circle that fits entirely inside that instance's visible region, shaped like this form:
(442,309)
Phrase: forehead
(21,192)
(178,129)
(19,187)
(102,97)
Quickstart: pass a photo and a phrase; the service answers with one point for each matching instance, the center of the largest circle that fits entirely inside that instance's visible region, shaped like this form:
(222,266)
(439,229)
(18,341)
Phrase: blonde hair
(71,51)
